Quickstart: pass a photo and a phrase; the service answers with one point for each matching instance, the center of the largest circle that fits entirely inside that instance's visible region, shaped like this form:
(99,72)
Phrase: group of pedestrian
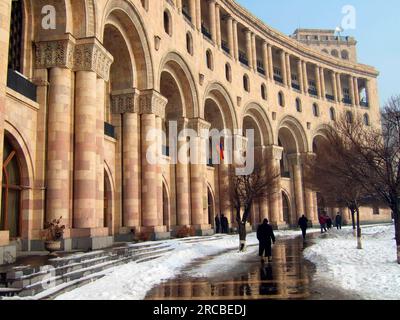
(326,222)
(221,224)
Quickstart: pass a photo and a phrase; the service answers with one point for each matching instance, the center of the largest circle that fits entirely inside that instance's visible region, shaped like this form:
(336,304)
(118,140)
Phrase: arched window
(189,43)
(349,117)
(366,119)
(246,83)
(16,37)
(263,92)
(315,110)
(281,99)
(11,190)
(298,105)
(209,58)
(167,23)
(332,113)
(345,55)
(145,4)
(325,51)
(335,53)
(228,72)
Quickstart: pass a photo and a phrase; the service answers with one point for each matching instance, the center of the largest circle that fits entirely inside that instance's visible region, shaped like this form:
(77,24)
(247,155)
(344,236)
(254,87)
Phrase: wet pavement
(287,277)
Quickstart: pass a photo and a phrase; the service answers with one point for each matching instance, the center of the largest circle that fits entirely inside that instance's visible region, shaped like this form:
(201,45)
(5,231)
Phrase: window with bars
(16,31)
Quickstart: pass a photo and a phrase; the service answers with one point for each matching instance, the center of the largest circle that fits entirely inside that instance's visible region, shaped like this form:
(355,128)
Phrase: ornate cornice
(125,101)
(81,55)
(152,102)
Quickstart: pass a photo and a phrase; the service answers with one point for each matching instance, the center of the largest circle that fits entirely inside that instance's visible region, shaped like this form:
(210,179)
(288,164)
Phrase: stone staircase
(60,275)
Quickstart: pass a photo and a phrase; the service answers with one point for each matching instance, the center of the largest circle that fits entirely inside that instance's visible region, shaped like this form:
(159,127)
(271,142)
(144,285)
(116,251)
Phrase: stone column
(274,156)
(197,174)
(288,70)
(230,36)
(264,203)
(100,101)
(198,15)
(323,89)
(283,68)
(270,62)
(85,151)
(318,81)
(235,41)
(334,85)
(193,12)
(254,51)
(159,180)
(295,162)
(5,14)
(265,59)
(125,103)
(151,106)
(248,49)
(352,92)
(218,24)
(339,87)
(212,14)
(305,78)
(300,75)
(179,5)
(309,196)
(356,92)
(91,61)
(182,180)
(59,145)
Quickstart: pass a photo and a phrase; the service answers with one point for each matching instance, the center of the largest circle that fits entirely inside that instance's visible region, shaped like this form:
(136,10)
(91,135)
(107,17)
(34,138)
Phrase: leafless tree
(331,173)
(245,190)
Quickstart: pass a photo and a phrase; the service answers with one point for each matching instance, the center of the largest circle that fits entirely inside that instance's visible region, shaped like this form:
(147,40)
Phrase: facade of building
(78,98)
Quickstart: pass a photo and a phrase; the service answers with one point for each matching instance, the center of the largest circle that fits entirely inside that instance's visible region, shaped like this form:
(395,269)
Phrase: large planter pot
(52,246)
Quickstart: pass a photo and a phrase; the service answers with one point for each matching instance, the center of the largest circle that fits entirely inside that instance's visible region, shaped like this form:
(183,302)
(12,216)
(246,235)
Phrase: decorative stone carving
(152,102)
(82,55)
(274,152)
(157,42)
(90,55)
(198,125)
(58,53)
(125,101)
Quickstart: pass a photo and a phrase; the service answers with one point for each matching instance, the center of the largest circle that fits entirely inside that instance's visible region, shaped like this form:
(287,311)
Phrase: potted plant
(54,232)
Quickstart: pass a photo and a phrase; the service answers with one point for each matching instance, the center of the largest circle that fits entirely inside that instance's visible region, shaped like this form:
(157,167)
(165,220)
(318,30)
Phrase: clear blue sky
(377,29)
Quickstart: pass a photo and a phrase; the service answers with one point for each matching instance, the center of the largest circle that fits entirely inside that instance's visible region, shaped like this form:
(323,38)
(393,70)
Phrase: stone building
(77,100)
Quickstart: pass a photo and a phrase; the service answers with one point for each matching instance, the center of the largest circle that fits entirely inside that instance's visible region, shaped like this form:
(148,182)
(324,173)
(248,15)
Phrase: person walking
(266,237)
(217,224)
(322,223)
(328,222)
(303,224)
(338,221)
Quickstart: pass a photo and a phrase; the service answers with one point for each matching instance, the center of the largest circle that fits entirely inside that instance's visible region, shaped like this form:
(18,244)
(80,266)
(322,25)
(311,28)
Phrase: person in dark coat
(217,224)
(303,224)
(328,222)
(265,234)
(338,221)
(322,223)
(224,224)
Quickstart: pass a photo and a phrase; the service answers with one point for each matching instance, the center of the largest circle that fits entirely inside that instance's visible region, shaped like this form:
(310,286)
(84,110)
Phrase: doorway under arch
(10,218)
(108,203)
(166,208)
(210,207)
(286,208)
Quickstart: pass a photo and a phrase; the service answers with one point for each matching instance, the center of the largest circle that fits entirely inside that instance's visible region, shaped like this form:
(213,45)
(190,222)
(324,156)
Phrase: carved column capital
(125,101)
(152,102)
(198,125)
(55,53)
(90,55)
(274,152)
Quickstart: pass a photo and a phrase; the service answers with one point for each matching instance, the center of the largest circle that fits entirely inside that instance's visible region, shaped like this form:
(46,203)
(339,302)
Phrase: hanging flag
(220,149)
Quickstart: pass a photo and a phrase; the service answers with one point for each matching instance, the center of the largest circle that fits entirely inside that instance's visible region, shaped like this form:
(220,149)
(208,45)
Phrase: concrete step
(35,283)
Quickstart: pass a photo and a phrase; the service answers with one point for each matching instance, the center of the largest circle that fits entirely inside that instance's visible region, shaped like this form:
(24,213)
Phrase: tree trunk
(242,236)
(359,242)
(396,214)
(353,221)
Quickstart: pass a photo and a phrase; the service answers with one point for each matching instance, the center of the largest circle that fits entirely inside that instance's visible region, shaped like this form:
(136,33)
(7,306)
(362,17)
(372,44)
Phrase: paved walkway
(288,277)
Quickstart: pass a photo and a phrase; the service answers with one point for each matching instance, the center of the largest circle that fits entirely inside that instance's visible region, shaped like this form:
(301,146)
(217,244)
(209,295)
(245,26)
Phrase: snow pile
(373,272)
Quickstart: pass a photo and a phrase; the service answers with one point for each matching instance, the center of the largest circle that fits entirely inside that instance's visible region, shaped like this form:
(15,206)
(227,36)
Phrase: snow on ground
(133,280)
(373,272)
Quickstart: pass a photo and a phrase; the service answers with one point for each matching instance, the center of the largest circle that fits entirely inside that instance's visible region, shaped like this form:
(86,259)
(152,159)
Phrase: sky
(377,29)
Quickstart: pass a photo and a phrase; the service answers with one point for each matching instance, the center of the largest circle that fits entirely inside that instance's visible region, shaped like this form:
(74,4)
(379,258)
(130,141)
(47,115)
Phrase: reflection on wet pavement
(287,277)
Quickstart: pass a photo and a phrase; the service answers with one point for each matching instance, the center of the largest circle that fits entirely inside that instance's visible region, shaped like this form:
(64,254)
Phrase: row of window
(344,54)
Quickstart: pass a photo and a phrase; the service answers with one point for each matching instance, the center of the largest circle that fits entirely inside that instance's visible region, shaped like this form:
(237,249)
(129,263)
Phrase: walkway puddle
(287,277)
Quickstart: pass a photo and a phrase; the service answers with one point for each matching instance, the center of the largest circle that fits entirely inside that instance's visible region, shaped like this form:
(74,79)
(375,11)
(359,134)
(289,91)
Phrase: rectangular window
(376,211)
